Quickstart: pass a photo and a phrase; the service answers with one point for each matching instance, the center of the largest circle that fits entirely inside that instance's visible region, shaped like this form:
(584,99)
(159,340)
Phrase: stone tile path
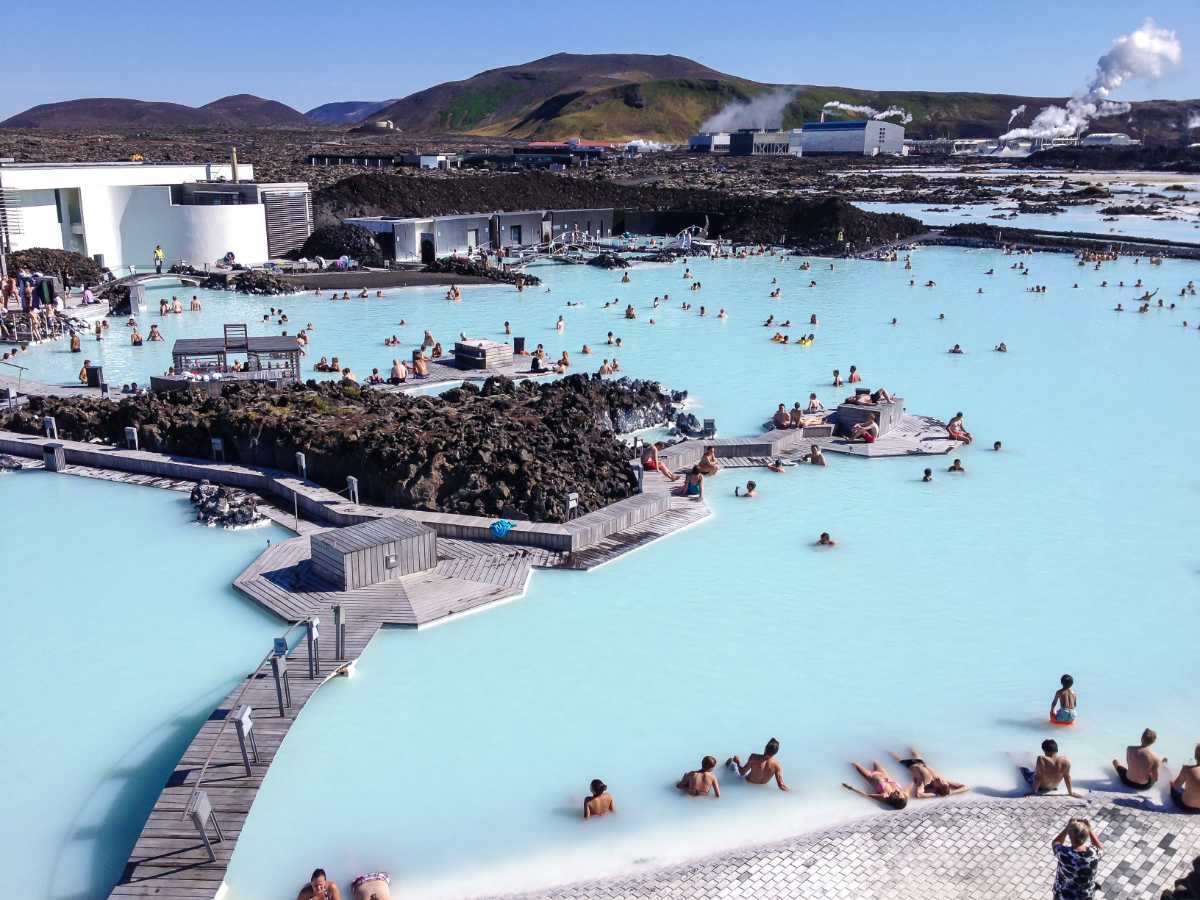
(982,849)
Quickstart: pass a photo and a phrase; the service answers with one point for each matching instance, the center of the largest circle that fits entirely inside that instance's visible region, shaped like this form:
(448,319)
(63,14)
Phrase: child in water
(1065,700)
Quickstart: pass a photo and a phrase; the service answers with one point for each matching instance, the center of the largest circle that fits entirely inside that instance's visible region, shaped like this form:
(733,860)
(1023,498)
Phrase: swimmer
(927,476)
(1142,765)
(941,317)
(777,466)
(996,447)
(927,781)
(760,768)
(319,887)
(957,466)
(586,351)
(854,377)
(722,315)
(882,786)
(825,540)
(751,490)
(1002,347)
(894,322)
(601,802)
(814,456)
(698,782)
(1064,701)
(837,378)
(956,349)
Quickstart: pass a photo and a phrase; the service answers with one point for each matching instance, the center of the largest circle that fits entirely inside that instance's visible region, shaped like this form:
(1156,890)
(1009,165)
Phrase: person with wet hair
(698,782)
(882,786)
(600,803)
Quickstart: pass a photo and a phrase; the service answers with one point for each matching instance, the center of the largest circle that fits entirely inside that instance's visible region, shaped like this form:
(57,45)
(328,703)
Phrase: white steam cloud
(764,111)
(892,112)
(1016,112)
(1146,53)
(1193,121)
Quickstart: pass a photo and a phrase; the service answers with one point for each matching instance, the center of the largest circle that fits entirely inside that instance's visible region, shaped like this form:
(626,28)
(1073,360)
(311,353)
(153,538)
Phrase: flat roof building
(860,137)
(756,142)
(117,212)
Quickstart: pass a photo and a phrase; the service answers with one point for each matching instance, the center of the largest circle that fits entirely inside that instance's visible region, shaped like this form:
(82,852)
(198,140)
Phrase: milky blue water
(123,635)
(457,757)
(1089,219)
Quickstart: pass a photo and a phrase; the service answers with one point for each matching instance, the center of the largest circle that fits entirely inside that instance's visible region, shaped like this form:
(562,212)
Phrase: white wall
(39,221)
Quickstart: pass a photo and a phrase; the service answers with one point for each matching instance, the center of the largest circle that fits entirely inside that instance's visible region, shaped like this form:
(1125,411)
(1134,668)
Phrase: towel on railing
(500,528)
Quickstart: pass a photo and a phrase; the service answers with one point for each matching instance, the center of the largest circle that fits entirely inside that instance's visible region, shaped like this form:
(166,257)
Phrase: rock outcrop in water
(460,265)
(227,507)
(506,449)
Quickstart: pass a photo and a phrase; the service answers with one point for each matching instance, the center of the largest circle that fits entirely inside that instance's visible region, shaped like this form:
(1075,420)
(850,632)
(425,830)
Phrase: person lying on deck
(651,463)
(927,781)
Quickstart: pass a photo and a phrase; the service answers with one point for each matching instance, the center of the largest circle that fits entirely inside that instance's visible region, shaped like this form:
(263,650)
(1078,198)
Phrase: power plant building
(754,142)
(861,137)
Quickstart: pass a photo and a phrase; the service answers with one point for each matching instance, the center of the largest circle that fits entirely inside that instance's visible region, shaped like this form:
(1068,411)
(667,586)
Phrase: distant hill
(622,96)
(348,112)
(114,112)
(255,112)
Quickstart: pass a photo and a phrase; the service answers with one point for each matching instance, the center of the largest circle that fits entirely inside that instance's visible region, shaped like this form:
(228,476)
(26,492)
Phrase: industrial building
(382,159)
(1108,139)
(425,239)
(117,212)
(861,137)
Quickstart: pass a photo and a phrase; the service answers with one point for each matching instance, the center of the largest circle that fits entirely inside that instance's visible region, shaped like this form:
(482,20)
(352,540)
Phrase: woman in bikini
(883,787)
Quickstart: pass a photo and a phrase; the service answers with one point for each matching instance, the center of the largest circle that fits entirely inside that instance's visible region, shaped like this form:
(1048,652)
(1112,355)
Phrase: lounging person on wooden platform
(420,366)
(1185,789)
(927,781)
(760,768)
(882,786)
(319,887)
(708,462)
(1142,765)
(699,782)
(781,419)
(956,430)
(651,463)
(693,485)
(1049,771)
(867,432)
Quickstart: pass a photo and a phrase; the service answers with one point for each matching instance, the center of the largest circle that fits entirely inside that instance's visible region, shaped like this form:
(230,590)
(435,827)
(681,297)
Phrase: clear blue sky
(305,53)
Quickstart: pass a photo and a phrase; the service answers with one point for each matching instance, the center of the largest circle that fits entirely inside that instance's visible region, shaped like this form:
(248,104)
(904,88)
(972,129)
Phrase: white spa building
(116,212)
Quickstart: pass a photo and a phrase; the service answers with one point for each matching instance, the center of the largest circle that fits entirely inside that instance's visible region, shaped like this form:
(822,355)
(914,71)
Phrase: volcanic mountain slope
(101,113)
(623,96)
(346,112)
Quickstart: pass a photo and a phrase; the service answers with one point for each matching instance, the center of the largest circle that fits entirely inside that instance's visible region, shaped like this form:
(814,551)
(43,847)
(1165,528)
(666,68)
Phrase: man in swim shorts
(1141,763)
(1185,789)
(1049,771)
(760,768)
(319,887)
(699,781)
(1065,700)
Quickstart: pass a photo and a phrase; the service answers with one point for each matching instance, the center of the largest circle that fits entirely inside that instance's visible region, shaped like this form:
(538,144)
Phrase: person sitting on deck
(699,782)
(693,485)
(797,415)
(1185,789)
(882,786)
(708,462)
(1049,771)
(1065,699)
(601,801)
(1142,765)
(651,463)
(564,361)
(428,340)
(927,781)
(420,366)
(760,768)
(319,887)
(867,431)
(814,405)
(155,334)
(399,373)
(437,351)
(956,430)
(135,338)
(781,419)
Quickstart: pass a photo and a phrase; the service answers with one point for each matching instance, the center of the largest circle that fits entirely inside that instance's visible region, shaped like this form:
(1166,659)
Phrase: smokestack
(233,155)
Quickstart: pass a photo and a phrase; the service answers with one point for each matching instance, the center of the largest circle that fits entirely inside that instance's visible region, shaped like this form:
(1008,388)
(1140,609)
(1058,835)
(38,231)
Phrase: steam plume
(1146,53)
(1193,121)
(870,111)
(1016,112)
(764,111)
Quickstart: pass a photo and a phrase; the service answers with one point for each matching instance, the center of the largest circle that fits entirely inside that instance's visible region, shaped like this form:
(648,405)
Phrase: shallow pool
(124,635)
(458,757)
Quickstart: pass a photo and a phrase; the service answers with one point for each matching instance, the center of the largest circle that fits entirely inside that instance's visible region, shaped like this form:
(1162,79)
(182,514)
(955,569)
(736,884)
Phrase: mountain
(114,112)
(255,112)
(622,96)
(609,95)
(347,112)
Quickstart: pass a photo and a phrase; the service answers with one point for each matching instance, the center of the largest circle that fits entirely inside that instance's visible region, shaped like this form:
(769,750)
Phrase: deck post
(301,465)
(131,438)
(201,812)
(50,427)
(54,457)
(339,632)
(218,450)
(352,488)
(283,688)
(245,732)
(312,627)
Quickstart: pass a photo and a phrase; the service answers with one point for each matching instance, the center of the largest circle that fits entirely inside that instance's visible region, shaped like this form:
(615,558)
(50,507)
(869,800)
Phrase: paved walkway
(981,849)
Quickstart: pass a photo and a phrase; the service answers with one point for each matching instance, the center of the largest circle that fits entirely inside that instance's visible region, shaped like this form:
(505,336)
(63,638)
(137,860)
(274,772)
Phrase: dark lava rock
(227,507)
(335,241)
(460,265)
(259,282)
(506,449)
(609,261)
(79,268)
